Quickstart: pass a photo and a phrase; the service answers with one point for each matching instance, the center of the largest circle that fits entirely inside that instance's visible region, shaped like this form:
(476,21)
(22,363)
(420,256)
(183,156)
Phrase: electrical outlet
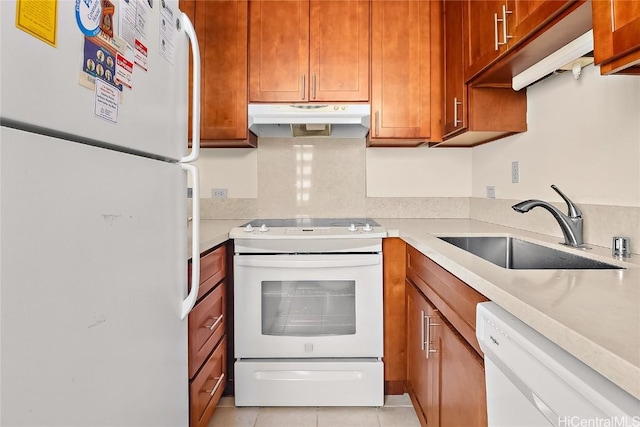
(491,192)
(515,172)
(189,193)
(218,193)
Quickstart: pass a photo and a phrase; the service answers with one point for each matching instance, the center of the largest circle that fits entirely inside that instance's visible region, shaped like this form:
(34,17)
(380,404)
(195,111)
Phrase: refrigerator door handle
(190,301)
(195,96)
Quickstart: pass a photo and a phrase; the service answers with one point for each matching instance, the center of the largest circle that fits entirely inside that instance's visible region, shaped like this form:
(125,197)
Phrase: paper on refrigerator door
(167,32)
(106,102)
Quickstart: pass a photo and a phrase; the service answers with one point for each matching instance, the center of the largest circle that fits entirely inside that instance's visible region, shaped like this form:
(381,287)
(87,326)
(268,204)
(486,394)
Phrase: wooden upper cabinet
(339,50)
(278,51)
(401,77)
(616,34)
(303,51)
(455,88)
(496,27)
(473,116)
(221,27)
(484,36)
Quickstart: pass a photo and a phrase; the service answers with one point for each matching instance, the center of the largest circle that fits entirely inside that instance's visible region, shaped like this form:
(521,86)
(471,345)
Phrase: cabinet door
(616,32)
(455,89)
(484,34)
(528,16)
(339,50)
(221,26)
(422,365)
(278,50)
(400,69)
(207,386)
(463,399)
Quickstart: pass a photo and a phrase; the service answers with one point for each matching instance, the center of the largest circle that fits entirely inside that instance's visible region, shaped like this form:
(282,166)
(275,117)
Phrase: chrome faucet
(571,224)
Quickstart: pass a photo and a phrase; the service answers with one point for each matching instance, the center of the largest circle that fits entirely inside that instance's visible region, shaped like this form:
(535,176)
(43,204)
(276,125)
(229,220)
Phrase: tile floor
(396,412)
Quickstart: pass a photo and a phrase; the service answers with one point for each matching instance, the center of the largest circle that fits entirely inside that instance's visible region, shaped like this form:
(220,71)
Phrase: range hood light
(566,55)
(310,129)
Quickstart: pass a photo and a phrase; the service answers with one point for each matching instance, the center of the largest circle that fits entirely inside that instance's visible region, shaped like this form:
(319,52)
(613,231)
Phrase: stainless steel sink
(512,253)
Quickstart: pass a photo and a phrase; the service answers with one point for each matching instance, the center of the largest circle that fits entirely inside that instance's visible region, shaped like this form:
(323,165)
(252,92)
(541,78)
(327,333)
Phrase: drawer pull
(216,323)
(215,388)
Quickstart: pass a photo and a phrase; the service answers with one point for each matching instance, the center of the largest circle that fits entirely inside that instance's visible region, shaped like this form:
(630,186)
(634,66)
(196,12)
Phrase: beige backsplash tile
(317,177)
(228,208)
(601,222)
(418,207)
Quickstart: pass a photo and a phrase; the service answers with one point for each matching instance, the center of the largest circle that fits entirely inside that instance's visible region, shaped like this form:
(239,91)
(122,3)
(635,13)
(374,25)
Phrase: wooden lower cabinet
(445,368)
(462,395)
(445,376)
(208,328)
(422,363)
(206,388)
(394,253)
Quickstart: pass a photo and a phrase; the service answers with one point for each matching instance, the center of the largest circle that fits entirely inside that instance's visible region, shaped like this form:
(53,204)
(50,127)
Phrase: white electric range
(308,323)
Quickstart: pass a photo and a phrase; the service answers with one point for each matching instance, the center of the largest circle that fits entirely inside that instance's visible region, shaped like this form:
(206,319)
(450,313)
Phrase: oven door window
(309,308)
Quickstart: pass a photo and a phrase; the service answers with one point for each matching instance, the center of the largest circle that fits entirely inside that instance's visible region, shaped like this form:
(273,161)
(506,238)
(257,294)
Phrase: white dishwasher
(533,382)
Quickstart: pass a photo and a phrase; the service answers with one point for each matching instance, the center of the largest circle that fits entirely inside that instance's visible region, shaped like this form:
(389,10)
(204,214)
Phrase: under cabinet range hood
(293,120)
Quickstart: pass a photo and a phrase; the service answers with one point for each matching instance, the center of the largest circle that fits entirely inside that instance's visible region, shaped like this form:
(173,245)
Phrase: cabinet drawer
(206,326)
(207,387)
(454,298)
(212,269)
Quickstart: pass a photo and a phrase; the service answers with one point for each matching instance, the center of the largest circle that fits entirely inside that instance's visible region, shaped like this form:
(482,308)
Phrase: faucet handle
(574,211)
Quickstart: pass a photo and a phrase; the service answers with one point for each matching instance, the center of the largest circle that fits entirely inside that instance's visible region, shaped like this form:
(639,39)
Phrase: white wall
(235,169)
(584,136)
(418,172)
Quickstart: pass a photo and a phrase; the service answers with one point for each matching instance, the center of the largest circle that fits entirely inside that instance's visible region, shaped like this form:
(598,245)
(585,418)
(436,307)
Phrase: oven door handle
(360,261)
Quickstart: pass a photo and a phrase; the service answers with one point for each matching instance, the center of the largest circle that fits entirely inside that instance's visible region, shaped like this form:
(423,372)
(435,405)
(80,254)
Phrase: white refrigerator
(94,297)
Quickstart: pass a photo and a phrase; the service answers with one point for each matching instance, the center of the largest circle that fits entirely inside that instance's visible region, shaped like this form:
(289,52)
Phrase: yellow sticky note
(38,18)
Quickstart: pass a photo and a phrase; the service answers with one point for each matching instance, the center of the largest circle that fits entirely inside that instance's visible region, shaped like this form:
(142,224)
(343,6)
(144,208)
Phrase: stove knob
(248,228)
(352,228)
(263,228)
(367,227)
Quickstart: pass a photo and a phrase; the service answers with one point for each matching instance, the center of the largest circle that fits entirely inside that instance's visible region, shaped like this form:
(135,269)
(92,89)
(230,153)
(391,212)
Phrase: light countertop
(214,232)
(592,314)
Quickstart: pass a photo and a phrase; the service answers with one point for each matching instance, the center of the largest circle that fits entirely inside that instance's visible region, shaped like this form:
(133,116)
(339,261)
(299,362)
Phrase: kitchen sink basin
(516,254)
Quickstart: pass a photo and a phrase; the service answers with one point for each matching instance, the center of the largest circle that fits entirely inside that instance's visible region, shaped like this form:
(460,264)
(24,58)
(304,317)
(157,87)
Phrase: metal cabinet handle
(216,322)
(495,32)
(377,123)
(456,103)
(422,317)
(314,86)
(215,387)
(505,37)
(505,12)
(429,350)
(304,86)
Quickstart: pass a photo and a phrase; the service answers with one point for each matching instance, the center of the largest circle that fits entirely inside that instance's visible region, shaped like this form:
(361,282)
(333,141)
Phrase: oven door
(308,305)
